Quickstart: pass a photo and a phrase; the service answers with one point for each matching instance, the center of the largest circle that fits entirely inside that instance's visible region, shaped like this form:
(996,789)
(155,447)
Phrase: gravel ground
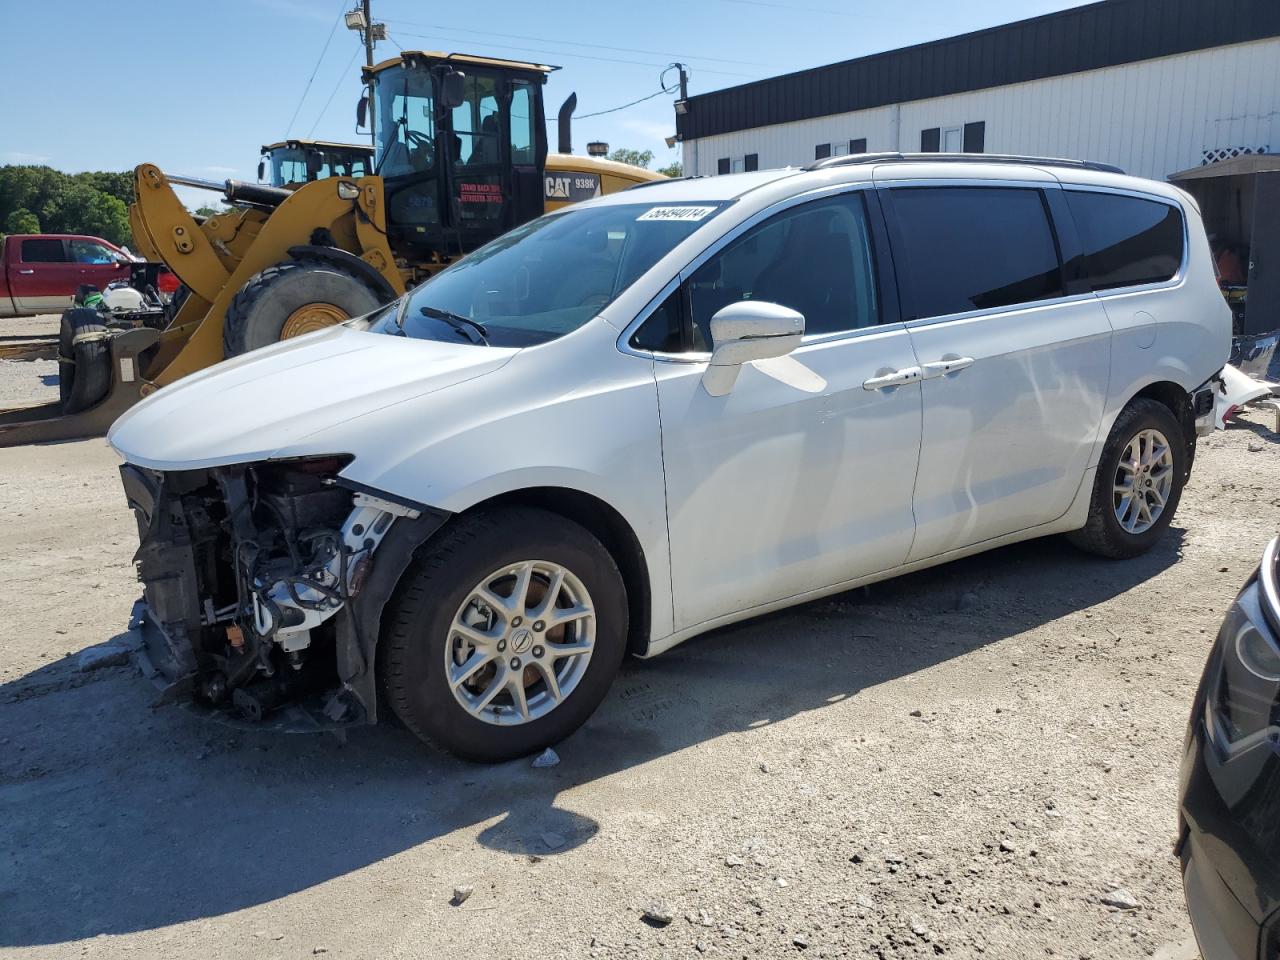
(25,382)
(960,763)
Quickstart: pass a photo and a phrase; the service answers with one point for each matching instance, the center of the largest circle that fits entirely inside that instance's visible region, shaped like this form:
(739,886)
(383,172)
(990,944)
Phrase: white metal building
(1153,86)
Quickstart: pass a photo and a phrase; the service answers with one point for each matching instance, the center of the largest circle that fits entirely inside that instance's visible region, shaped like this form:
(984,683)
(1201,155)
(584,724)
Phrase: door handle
(896,378)
(940,368)
(26,272)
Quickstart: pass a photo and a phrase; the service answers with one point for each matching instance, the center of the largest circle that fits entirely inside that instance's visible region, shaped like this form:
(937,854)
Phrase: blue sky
(197,88)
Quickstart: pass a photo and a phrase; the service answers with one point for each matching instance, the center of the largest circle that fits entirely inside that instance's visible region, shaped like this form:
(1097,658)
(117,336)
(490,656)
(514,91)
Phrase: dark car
(1229,812)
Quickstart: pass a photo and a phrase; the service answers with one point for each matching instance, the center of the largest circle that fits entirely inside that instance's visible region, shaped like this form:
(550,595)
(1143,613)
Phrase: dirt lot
(959,763)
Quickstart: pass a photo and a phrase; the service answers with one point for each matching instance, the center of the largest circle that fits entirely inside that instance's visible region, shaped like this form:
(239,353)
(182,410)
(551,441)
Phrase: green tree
(21,220)
(673,170)
(637,158)
(79,208)
(94,203)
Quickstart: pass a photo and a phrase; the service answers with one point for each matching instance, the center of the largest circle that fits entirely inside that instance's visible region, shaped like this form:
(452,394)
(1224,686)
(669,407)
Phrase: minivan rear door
(1015,363)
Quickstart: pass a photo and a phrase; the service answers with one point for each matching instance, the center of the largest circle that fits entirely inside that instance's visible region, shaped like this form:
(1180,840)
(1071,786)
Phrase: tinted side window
(43,251)
(1127,240)
(815,258)
(973,248)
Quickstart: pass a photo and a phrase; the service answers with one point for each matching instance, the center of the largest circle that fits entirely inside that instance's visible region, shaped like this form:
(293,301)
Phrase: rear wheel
(1138,484)
(505,634)
(290,299)
(84,359)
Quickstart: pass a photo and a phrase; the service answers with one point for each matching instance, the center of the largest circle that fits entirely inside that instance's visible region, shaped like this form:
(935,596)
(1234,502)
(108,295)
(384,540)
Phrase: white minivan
(665,410)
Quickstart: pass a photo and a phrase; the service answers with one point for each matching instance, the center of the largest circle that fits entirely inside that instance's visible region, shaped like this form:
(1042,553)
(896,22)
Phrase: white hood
(251,407)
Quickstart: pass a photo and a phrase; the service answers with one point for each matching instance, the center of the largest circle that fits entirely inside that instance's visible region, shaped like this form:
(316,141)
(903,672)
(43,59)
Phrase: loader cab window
(288,165)
(406,155)
(476,131)
(406,122)
(523,151)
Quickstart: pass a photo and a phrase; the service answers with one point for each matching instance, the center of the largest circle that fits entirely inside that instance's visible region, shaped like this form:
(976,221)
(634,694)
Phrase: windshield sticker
(685,214)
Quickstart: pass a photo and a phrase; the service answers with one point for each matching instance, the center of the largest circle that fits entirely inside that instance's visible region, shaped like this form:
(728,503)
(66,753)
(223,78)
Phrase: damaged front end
(260,586)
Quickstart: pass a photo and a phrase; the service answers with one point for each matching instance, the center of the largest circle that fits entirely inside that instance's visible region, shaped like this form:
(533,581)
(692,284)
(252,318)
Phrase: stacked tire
(84,360)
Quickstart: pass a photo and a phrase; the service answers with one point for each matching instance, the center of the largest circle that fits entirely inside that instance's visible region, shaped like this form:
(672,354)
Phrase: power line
(571,56)
(325,108)
(316,68)
(576,43)
(663,88)
(787,6)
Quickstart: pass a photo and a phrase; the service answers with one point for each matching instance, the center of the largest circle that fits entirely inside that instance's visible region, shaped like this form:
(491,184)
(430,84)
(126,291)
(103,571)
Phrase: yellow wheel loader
(301,161)
(461,158)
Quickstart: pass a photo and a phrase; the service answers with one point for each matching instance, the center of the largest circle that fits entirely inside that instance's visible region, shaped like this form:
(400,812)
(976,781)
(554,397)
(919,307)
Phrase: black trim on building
(751,162)
(931,140)
(723,166)
(858,146)
(975,136)
(822,151)
(1104,34)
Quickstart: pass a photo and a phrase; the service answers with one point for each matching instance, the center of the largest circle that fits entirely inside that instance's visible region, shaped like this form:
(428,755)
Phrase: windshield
(405,102)
(548,277)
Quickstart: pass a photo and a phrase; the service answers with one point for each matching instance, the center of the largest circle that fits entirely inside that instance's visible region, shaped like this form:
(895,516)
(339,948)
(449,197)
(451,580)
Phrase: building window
(975,137)
(751,162)
(858,146)
(822,151)
(969,138)
(723,165)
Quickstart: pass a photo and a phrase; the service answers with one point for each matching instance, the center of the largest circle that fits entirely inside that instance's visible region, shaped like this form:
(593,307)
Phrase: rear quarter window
(1126,240)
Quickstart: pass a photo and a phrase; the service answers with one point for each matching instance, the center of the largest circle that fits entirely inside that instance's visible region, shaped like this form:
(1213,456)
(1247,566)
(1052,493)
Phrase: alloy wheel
(520,642)
(1143,481)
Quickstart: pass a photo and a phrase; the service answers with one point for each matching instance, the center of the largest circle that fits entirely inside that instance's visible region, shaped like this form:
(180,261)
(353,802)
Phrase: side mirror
(453,89)
(262,170)
(362,110)
(745,331)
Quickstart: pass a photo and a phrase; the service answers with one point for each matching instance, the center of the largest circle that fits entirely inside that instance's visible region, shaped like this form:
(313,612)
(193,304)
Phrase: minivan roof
(869,167)
(727,187)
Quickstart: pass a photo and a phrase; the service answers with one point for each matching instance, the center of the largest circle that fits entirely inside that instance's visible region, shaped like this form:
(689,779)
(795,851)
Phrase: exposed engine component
(244,568)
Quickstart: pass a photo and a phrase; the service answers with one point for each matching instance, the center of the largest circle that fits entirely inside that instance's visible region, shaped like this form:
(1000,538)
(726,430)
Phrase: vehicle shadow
(118,818)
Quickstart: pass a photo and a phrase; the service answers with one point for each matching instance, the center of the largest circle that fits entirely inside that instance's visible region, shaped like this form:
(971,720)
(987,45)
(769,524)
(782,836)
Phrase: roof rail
(853,159)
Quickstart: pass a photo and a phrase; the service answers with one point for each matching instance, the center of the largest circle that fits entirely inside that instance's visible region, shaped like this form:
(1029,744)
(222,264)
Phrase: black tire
(84,360)
(175,303)
(417,622)
(257,315)
(1102,534)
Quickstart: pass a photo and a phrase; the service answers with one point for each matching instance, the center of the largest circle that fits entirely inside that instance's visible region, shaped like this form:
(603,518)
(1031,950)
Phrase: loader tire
(84,360)
(290,299)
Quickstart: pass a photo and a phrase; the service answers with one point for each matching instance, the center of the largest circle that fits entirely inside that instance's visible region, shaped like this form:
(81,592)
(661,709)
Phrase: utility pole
(361,19)
(369,41)
(684,81)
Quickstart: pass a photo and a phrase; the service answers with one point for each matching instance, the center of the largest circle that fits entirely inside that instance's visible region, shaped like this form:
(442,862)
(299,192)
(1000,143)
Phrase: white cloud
(17,156)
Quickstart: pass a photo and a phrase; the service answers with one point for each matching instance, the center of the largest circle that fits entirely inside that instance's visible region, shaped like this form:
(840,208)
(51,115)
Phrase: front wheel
(505,634)
(290,299)
(1138,484)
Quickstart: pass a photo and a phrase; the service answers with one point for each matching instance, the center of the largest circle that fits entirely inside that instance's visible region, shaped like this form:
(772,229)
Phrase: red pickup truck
(39,273)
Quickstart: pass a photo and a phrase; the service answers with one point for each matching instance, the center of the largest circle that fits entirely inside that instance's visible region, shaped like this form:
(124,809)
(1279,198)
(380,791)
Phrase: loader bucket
(46,422)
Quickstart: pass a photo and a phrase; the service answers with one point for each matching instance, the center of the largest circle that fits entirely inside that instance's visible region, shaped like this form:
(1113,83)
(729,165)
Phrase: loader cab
(461,146)
(292,162)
